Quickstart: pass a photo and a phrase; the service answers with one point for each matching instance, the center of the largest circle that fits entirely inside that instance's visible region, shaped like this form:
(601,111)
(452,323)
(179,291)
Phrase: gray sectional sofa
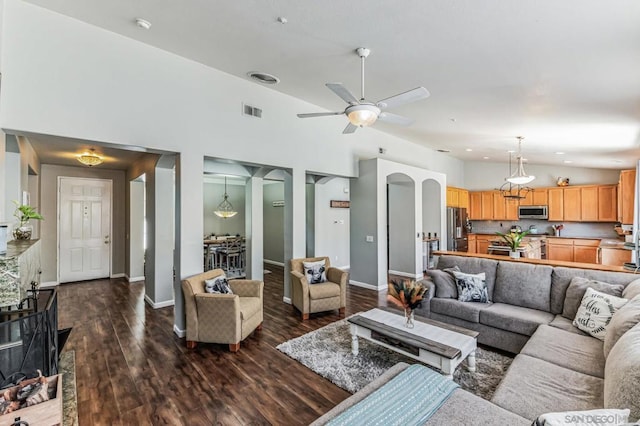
(558,367)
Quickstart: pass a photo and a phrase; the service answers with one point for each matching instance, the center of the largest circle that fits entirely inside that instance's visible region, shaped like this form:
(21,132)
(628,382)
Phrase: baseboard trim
(273,262)
(364,285)
(178,332)
(134,279)
(159,304)
(405,274)
(49,284)
(286,300)
(120,275)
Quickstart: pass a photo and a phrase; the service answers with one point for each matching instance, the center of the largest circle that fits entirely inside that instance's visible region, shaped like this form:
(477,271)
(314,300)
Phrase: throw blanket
(410,398)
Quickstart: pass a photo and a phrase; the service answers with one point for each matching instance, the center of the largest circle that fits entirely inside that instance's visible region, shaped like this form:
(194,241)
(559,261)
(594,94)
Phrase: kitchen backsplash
(570,229)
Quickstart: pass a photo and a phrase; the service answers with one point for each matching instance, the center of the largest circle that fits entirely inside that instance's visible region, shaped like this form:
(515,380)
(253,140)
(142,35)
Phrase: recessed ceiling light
(443,150)
(282,20)
(143,23)
(511,151)
(559,153)
(468,150)
(453,120)
(567,161)
(485,158)
(263,77)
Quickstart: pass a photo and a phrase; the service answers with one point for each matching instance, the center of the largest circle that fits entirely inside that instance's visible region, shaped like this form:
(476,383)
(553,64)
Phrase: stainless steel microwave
(533,212)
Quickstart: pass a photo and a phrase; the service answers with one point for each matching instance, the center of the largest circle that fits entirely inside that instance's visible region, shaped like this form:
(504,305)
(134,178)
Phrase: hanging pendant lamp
(225,208)
(519,177)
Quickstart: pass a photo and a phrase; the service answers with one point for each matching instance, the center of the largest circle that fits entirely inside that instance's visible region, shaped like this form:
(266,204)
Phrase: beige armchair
(311,298)
(221,318)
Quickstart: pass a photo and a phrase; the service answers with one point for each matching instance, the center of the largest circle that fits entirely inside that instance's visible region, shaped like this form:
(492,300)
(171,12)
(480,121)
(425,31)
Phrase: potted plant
(513,240)
(24,213)
(406,294)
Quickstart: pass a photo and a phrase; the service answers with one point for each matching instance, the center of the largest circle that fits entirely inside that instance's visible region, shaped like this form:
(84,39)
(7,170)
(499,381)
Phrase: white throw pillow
(316,272)
(587,418)
(595,312)
(471,287)
(218,285)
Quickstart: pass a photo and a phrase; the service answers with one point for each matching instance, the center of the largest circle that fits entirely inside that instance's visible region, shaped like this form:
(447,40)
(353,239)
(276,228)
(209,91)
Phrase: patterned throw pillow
(218,285)
(315,272)
(471,287)
(595,312)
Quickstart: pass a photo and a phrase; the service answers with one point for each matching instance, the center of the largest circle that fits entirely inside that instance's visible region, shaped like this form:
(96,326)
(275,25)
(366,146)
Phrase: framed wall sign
(338,204)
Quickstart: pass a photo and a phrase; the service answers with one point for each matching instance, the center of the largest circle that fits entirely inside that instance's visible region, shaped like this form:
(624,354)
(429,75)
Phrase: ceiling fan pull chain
(362,58)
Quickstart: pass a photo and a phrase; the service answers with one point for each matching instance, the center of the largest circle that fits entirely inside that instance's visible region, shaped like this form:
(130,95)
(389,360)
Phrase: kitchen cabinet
(607,205)
(472,248)
(499,206)
(486,207)
(573,250)
(556,204)
(572,204)
(536,197)
(475,206)
(626,191)
(483,241)
(614,256)
(588,204)
(511,208)
(457,197)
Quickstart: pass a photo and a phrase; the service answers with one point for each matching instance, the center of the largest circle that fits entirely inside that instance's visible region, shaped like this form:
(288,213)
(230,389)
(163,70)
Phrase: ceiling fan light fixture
(363,115)
(90,158)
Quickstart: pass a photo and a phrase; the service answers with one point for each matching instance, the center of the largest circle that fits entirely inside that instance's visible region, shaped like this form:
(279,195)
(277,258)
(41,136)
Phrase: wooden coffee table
(435,343)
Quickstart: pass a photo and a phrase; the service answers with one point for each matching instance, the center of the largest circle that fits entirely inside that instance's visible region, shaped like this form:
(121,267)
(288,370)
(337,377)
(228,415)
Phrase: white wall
(273,220)
(402,229)
(332,224)
(431,212)
(480,176)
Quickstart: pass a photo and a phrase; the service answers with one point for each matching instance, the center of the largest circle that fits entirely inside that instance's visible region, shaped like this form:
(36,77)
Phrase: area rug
(327,351)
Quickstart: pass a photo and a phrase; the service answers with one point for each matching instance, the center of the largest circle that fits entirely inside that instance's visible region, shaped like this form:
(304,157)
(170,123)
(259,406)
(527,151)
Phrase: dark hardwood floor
(132,369)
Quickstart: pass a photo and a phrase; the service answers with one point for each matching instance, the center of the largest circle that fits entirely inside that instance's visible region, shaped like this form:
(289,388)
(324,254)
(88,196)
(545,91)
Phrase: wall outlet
(369,238)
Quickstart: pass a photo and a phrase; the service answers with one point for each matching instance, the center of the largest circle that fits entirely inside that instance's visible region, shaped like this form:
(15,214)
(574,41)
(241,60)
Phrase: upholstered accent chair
(222,318)
(312,298)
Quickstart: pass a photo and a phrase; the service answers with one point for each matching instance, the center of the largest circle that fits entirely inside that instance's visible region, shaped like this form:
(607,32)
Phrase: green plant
(406,294)
(513,239)
(24,213)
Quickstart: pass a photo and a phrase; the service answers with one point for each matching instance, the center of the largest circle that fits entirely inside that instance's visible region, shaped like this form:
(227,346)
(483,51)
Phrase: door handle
(106,239)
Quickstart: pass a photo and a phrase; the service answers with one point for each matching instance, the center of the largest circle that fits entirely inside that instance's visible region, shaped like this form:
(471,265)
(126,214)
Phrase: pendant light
(510,191)
(225,209)
(519,177)
(90,158)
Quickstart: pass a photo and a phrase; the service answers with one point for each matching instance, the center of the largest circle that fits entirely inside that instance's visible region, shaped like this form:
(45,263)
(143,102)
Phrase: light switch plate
(369,238)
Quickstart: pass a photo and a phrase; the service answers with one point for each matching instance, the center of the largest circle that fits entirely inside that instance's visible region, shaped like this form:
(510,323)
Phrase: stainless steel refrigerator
(457,229)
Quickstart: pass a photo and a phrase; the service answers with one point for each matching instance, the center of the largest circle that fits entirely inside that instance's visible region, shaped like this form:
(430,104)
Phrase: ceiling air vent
(252,111)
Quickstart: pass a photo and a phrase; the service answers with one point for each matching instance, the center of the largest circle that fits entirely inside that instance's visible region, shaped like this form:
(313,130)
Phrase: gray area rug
(327,351)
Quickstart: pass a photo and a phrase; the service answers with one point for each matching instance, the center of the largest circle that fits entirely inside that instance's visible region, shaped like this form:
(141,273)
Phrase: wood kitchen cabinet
(585,251)
(607,203)
(588,203)
(626,191)
(475,206)
(560,249)
(486,207)
(536,197)
(556,204)
(457,197)
(499,206)
(472,247)
(483,241)
(572,204)
(573,250)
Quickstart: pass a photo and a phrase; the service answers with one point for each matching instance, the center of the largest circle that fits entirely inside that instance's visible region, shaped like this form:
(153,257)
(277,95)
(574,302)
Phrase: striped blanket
(410,398)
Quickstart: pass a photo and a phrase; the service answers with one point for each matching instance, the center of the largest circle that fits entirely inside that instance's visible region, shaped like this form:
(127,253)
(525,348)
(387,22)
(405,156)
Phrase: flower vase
(408,315)
(514,254)
(22,233)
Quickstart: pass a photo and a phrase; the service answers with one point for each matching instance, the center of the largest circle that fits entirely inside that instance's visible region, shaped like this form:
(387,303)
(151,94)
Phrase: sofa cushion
(523,284)
(533,387)
(632,290)
(623,320)
(566,324)
(514,318)
(468,311)
(577,288)
(595,312)
(444,282)
(471,287)
(249,306)
(573,351)
(622,374)
(472,265)
(562,276)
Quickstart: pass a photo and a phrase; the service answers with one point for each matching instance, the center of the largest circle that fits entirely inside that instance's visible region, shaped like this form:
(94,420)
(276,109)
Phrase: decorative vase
(514,254)
(22,233)
(408,316)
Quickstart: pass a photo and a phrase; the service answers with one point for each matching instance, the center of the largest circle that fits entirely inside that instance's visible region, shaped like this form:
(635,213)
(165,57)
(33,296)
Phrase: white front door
(84,228)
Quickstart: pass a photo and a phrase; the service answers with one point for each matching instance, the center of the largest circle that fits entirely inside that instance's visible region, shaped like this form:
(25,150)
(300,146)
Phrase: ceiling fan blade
(387,117)
(319,114)
(403,98)
(349,129)
(343,92)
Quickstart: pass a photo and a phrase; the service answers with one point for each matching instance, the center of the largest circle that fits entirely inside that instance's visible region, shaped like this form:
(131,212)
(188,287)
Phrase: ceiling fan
(363,113)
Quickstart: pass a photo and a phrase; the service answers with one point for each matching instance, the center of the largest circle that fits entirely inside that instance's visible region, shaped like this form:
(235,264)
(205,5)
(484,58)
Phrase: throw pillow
(445,282)
(471,287)
(575,293)
(218,285)
(621,322)
(315,272)
(586,418)
(631,290)
(595,312)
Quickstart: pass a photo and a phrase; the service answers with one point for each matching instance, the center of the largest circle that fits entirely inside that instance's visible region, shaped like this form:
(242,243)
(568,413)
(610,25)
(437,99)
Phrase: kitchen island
(530,247)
